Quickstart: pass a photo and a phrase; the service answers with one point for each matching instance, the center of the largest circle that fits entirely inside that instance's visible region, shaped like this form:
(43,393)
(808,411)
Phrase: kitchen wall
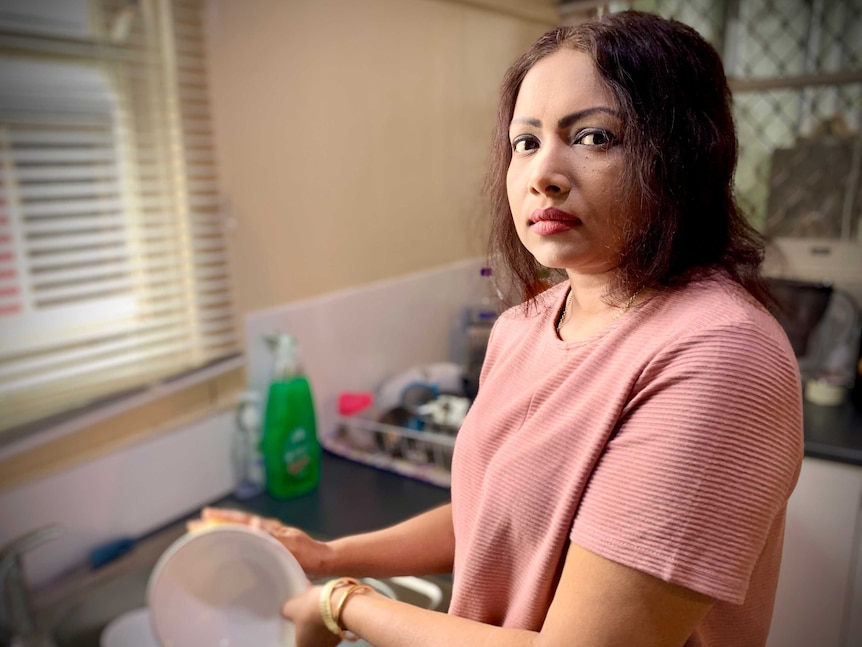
(353,135)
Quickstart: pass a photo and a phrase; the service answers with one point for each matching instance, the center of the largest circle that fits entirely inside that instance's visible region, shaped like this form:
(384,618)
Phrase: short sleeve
(707,452)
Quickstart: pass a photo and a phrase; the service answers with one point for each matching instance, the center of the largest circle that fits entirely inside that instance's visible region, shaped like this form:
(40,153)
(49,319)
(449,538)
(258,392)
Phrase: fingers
(303,610)
(292,609)
(284,532)
(270,525)
(289,609)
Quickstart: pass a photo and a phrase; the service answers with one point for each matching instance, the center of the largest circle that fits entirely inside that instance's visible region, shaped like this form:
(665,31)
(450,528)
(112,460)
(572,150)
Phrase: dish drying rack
(424,454)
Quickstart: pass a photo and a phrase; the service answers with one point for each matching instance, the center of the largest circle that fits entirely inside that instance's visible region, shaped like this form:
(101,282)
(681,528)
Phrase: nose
(550,174)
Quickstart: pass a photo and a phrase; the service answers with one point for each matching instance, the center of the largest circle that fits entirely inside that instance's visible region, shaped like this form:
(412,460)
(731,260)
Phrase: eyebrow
(568,120)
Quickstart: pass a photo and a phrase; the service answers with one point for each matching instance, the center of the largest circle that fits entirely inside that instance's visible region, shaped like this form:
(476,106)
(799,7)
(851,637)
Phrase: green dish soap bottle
(291,451)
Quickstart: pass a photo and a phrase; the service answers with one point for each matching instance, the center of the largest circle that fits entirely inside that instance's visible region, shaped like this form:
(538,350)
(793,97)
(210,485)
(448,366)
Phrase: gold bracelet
(342,630)
(325,603)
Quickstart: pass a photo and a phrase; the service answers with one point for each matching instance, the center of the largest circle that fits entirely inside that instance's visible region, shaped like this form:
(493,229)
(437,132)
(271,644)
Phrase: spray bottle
(481,313)
(291,451)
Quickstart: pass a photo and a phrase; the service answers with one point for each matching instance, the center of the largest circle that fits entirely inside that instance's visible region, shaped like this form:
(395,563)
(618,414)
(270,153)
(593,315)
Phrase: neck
(588,294)
(586,309)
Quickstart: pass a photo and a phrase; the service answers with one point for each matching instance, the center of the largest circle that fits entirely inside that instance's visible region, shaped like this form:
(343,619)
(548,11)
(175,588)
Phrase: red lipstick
(546,222)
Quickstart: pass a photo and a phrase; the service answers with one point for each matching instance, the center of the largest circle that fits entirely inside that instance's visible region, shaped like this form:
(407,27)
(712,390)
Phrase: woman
(623,474)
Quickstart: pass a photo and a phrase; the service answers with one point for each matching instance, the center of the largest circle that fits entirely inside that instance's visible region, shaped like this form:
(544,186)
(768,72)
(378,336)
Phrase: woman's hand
(312,555)
(304,611)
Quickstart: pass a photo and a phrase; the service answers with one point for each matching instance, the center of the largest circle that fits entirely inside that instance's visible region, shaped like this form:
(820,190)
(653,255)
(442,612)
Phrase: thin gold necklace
(620,311)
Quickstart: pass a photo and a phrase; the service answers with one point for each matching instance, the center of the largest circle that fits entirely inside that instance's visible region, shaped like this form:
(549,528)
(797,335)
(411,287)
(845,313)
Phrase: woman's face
(564,180)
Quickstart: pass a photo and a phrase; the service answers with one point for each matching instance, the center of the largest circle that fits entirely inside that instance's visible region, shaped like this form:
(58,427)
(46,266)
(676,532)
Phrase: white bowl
(224,586)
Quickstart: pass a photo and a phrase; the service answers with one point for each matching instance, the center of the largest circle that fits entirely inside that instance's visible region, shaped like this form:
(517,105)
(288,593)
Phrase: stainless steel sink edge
(55,601)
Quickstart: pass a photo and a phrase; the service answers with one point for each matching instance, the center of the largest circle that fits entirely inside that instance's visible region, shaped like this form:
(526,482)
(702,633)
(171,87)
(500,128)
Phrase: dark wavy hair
(680,148)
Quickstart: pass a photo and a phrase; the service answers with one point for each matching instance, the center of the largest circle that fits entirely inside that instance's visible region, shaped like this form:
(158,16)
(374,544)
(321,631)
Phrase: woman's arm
(598,603)
(602,603)
(421,545)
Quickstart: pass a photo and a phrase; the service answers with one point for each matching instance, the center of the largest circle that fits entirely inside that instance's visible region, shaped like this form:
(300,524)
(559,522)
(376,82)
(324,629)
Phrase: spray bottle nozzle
(285,350)
(278,340)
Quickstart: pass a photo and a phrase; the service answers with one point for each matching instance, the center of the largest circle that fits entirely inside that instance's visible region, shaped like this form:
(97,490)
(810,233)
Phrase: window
(795,70)
(113,264)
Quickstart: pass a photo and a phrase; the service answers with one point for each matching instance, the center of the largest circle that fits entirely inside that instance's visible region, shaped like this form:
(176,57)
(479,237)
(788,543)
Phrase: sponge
(196,525)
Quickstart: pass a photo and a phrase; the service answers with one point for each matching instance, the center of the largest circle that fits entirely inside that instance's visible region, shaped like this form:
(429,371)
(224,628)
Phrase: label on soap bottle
(296,457)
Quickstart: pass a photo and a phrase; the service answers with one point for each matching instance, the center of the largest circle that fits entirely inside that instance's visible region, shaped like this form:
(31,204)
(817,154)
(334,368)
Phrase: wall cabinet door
(812,605)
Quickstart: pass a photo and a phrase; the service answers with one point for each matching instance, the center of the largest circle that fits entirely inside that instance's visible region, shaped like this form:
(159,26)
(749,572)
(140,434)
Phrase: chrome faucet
(18,606)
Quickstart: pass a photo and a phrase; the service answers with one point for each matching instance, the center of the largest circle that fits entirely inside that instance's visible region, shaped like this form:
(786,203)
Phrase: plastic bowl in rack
(224,585)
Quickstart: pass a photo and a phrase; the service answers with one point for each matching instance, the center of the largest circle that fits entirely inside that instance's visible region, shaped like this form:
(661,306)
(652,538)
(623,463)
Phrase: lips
(552,221)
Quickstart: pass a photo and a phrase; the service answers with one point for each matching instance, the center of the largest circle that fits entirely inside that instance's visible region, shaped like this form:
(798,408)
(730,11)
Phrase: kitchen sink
(76,612)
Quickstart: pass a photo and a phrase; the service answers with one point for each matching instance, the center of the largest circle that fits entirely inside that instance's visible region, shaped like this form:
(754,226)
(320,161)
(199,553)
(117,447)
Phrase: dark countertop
(350,498)
(833,433)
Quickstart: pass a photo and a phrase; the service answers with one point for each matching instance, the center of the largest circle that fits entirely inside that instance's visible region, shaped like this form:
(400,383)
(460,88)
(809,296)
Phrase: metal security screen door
(795,69)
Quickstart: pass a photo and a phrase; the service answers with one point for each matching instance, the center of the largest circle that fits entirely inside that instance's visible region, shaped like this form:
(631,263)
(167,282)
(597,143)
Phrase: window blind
(114,271)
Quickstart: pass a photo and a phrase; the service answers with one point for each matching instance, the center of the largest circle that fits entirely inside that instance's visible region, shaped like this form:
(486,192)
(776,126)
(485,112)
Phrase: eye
(524,143)
(595,137)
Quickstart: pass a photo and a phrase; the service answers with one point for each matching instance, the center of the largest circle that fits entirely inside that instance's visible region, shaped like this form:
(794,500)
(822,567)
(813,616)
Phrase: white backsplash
(124,494)
(353,340)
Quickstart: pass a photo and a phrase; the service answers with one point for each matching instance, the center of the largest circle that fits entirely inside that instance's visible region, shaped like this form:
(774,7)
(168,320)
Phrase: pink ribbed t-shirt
(669,442)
